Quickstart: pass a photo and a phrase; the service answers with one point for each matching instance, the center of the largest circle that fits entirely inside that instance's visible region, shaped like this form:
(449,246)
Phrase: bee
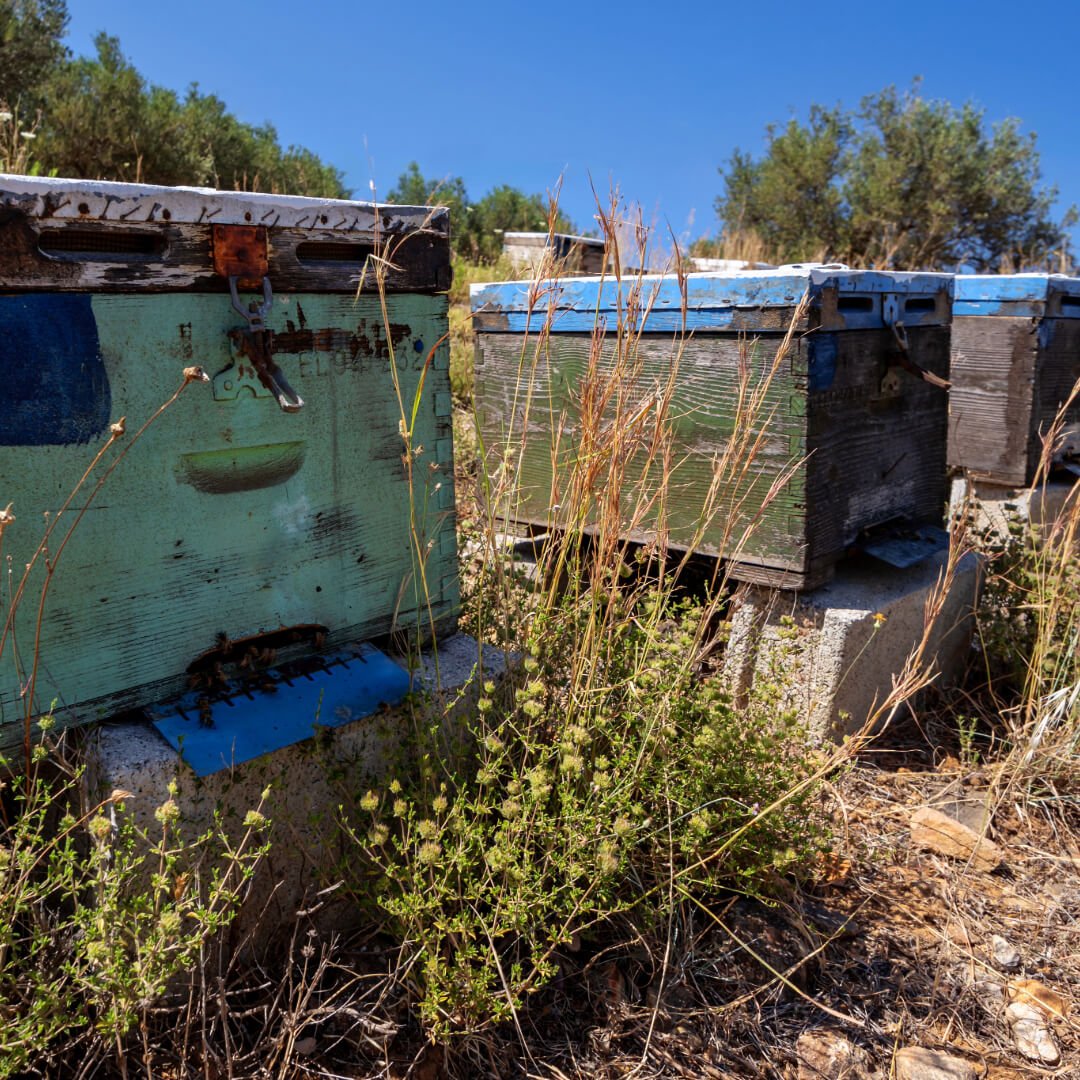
(206,712)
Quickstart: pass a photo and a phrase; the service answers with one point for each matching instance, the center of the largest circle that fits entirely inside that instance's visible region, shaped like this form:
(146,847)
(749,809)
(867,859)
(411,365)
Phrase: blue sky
(653,97)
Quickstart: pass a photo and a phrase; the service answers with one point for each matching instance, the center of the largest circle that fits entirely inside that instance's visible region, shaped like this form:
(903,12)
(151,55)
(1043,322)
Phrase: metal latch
(890,385)
(240,255)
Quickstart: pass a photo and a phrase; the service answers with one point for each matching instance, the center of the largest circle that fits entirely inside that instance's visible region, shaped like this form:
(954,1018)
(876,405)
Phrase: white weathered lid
(50,198)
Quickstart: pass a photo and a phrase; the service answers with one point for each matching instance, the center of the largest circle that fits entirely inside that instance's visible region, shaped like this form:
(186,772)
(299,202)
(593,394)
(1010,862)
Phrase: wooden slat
(993,385)
(412,262)
(1011,375)
(48,229)
(872,436)
(230,516)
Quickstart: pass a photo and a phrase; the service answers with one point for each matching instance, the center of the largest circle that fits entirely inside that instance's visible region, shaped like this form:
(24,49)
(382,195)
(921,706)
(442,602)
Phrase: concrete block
(305,782)
(837,657)
(996,506)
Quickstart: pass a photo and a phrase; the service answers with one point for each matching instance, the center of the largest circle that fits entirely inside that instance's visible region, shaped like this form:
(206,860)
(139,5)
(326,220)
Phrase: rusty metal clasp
(890,316)
(256,342)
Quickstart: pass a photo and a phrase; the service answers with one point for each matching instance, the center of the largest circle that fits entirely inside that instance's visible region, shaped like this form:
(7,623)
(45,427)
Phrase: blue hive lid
(1052,295)
(712,299)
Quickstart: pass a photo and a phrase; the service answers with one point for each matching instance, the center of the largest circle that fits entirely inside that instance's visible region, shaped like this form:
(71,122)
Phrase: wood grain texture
(44,256)
(1010,377)
(990,403)
(752,300)
(230,516)
(869,436)
(54,198)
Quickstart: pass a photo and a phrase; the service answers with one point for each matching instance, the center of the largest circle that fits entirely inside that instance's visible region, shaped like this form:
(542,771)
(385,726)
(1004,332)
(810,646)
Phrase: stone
(837,649)
(1030,1033)
(827,1055)
(1006,955)
(919,1063)
(996,507)
(935,831)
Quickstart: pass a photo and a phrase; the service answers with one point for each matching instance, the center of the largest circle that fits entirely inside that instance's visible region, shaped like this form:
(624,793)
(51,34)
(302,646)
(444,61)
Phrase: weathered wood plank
(993,386)
(752,301)
(870,437)
(1016,358)
(230,517)
(86,235)
(101,200)
(171,257)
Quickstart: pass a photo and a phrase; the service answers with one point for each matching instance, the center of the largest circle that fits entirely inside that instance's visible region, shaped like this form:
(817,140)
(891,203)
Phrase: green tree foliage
(100,119)
(901,182)
(477,228)
(103,120)
(30,48)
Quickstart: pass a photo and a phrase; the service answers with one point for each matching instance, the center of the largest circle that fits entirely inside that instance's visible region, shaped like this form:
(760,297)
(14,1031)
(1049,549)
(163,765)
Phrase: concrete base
(305,781)
(996,507)
(837,657)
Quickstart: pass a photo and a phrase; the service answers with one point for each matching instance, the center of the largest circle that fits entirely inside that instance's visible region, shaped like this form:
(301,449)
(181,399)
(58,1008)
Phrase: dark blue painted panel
(822,362)
(54,390)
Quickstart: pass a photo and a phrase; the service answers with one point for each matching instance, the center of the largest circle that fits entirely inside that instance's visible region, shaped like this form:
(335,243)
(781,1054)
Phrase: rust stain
(240,251)
(20,257)
(368,338)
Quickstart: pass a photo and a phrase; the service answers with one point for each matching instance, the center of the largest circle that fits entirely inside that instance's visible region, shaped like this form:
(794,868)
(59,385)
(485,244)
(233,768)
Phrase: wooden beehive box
(240,515)
(851,409)
(1015,360)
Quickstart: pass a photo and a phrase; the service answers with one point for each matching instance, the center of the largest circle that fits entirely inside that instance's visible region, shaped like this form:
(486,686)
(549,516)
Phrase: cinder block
(305,785)
(996,505)
(838,656)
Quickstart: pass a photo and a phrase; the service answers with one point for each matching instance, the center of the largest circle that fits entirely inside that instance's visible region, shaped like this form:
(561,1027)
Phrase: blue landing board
(245,726)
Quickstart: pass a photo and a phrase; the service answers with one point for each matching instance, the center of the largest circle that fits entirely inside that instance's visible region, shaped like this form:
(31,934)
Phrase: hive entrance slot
(855,303)
(333,251)
(113,245)
(920,303)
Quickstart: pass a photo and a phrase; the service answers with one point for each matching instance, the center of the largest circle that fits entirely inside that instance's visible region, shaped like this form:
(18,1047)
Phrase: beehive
(1015,360)
(857,410)
(273,504)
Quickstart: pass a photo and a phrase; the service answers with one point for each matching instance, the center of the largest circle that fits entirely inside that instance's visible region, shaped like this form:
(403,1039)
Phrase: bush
(97,916)
(612,773)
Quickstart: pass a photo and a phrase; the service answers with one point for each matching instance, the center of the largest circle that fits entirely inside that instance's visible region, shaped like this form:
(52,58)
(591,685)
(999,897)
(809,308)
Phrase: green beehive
(274,504)
(850,438)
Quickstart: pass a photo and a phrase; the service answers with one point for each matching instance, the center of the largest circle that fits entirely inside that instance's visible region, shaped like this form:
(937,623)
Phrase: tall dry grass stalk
(1041,578)
(612,779)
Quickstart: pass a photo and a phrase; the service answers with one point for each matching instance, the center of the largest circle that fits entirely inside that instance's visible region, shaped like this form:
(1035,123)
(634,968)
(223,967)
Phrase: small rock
(1031,1036)
(1006,955)
(918,1063)
(938,832)
(826,1055)
(306,1046)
